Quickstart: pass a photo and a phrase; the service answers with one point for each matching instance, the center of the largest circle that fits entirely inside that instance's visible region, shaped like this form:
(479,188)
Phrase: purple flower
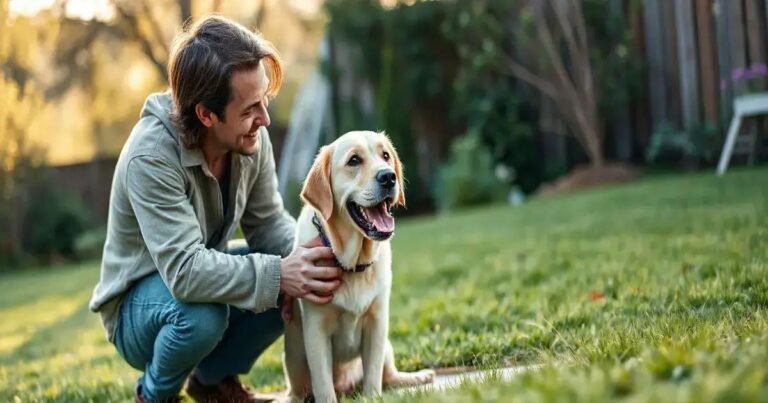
(739,74)
(759,69)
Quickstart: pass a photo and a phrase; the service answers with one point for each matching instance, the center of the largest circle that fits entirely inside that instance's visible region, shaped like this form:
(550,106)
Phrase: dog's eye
(354,161)
(385,156)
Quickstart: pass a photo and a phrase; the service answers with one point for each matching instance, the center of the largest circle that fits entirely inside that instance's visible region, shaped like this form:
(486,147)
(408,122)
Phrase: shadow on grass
(51,339)
(85,392)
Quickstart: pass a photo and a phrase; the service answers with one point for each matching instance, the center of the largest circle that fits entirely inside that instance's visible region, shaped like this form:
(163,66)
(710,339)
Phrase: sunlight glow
(80,9)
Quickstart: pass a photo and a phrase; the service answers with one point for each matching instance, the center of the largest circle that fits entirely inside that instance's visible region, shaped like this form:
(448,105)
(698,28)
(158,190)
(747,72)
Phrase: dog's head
(356,180)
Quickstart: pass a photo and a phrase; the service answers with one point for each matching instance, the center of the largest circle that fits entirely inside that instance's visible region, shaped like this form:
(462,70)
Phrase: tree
(20,101)
(557,28)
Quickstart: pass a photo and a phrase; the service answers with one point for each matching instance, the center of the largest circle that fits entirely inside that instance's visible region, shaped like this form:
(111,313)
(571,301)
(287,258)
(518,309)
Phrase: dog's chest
(347,337)
(359,291)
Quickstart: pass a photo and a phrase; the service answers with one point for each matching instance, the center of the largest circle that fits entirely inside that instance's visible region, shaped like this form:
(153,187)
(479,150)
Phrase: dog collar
(324,238)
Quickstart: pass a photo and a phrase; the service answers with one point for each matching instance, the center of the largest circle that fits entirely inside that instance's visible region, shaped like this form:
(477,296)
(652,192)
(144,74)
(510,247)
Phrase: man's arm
(175,242)
(267,227)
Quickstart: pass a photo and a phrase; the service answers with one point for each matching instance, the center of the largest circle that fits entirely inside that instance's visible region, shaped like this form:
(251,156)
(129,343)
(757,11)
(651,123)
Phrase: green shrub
(469,177)
(90,243)
(697,146)
(52,222)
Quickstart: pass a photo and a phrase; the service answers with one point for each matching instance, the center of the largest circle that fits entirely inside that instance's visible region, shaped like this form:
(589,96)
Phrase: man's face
(245,112)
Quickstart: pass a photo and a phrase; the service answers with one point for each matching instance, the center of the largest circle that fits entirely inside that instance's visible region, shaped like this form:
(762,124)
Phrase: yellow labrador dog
(348,196)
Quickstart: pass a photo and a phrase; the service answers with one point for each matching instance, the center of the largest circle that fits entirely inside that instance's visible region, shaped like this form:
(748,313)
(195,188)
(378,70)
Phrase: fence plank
(686,45)
(722,23)
(671,69)
(640,105)
(707,60)
(737,43)
(621,125)
(756,43)
(655,52)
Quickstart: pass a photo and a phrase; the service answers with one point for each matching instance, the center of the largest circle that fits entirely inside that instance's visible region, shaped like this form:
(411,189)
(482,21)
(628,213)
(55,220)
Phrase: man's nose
(263,119)
(386,178)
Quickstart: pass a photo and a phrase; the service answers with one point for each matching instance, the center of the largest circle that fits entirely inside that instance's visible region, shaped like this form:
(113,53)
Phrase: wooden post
(722,23)
(707,60)
(756,39)
(756,45)
(686,45)
(737,44)
(622,130)
(655,52)
(671,70)
(640,107)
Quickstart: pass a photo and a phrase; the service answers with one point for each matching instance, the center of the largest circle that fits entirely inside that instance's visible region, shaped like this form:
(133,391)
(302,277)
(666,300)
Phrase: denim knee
(204,323)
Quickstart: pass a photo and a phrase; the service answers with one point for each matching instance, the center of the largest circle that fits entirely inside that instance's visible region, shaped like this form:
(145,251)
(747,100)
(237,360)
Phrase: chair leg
(730,140)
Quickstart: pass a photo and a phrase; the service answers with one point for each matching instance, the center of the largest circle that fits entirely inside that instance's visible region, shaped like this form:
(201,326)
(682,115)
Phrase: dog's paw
(424,376)
(410,378)
(345,387)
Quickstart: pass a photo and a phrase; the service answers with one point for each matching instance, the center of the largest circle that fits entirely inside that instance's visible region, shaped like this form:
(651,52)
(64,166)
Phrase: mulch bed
(587,176)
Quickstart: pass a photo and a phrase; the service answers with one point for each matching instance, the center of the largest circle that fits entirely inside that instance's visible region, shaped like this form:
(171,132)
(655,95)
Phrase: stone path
(449,378)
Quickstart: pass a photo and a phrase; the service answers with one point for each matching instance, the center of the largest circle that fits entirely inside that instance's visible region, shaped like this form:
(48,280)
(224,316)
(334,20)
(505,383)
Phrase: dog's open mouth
(376,221)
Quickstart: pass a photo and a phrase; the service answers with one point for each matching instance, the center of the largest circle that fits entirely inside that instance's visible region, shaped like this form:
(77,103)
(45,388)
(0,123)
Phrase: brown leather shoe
(138,397)
(229,390)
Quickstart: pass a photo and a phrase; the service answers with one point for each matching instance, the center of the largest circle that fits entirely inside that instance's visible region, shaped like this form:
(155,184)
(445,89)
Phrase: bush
(697,146)
(469,177)
(90,244)
(53,220)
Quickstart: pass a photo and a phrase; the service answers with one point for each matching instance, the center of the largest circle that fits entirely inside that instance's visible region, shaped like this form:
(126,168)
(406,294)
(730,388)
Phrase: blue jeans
(168,339)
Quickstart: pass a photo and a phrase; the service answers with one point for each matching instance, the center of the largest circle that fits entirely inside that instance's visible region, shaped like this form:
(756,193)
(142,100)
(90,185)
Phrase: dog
(348,195)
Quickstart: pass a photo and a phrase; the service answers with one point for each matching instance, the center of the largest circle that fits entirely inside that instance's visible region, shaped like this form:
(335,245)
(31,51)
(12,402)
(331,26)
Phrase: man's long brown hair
(203,58)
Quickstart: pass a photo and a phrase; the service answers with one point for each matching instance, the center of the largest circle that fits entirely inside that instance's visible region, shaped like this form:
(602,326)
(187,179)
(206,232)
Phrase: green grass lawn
(651,291)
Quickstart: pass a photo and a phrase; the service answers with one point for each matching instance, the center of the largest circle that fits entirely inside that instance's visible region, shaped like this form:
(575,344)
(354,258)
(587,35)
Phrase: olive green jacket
(166,215)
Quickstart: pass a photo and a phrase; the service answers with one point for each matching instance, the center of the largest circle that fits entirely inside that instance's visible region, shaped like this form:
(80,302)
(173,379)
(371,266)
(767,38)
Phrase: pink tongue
(380,218)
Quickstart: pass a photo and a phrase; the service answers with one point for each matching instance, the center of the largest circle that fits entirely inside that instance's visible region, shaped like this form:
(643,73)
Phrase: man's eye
(385,156)
(354,161)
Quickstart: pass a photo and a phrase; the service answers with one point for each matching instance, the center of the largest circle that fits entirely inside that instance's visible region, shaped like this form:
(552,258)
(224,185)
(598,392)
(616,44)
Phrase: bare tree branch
(155,26)
(570,83)
(145,43)
(522,73)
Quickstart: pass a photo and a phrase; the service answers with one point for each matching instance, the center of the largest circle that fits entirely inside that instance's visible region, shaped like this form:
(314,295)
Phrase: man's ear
(399,172)
(317,191)
(205,115)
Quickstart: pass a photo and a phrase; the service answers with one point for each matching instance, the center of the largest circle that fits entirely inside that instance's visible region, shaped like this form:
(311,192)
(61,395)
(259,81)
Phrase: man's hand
(301,277)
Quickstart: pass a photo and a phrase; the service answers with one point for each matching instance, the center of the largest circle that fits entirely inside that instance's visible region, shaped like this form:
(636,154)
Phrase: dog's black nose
(386,178)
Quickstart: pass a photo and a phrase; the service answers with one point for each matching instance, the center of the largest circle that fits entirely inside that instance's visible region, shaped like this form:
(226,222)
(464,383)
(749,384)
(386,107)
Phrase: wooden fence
(700,54)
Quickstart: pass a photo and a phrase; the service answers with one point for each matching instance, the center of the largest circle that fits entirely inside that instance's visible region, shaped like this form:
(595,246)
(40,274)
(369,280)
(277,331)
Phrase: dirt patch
(586,176)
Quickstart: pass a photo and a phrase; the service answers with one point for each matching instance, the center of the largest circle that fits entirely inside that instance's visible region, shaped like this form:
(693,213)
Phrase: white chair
(743,106)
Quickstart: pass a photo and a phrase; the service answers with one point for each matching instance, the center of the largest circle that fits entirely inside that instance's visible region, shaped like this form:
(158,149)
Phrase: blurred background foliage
(73,77)
(439,71)
(463,88)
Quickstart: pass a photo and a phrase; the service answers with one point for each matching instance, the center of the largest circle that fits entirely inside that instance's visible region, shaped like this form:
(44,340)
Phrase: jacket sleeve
(174,240)
(267,226)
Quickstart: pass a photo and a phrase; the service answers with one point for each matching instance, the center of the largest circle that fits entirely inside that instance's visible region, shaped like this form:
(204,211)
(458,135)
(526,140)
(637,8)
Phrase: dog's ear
(399,172)
(317,191)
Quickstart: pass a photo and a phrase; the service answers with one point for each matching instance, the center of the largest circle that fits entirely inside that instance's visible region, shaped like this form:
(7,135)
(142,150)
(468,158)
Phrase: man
(174,302)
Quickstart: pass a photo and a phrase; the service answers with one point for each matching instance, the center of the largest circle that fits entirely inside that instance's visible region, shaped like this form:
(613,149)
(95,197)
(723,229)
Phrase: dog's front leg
(317,343)
(374,343)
